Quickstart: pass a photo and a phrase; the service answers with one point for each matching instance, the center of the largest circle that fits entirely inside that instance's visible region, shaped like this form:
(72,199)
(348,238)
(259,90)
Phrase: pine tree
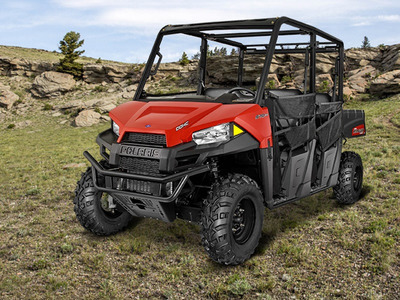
(196,56)
(184,59)
(68,46)
(223,52)
(216,51)
(365,44)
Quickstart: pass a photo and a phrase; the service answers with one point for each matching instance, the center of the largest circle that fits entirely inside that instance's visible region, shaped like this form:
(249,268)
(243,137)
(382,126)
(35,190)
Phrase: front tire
(349,186)
(90,206)
(232,220)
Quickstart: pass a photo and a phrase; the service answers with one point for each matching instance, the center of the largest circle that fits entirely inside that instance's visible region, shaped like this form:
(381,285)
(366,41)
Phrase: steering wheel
(239,88)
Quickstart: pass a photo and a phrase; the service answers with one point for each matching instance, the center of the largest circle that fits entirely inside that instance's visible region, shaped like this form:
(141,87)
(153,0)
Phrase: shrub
(48,106)
(285,79)
(270,85)
(100,89)
(324,87)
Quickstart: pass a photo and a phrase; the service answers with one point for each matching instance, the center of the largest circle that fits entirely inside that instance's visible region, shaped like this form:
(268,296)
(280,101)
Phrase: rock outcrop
(52,84)
(7,97)
(23,67)
(363,68)
(110,73)
(87,118)
(391,59)
(386,84)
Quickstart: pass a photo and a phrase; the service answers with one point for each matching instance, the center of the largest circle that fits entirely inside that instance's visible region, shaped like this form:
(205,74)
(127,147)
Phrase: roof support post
(313,47)
(306,69)
(240,68)
(202,67)
(268,60)
(341,71)
(149,65)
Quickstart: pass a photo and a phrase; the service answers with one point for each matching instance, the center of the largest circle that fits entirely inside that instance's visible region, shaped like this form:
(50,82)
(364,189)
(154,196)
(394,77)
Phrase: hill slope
(310,249)
(39,54)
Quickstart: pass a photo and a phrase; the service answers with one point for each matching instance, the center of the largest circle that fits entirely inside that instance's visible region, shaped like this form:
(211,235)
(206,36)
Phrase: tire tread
(84,207)
(344,191)
(214,234)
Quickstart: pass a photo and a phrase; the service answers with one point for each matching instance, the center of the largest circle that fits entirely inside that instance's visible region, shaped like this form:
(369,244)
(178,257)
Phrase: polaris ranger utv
(217,155)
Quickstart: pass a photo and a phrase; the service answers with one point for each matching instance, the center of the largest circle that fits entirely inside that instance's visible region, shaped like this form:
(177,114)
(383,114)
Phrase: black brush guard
(141,204)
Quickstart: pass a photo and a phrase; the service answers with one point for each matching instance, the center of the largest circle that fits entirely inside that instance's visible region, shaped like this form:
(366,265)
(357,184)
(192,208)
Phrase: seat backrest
(283,92)
(215,92)
(322,98)
(294,116)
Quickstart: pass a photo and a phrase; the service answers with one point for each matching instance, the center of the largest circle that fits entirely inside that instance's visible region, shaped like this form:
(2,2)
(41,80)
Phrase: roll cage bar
(270,27)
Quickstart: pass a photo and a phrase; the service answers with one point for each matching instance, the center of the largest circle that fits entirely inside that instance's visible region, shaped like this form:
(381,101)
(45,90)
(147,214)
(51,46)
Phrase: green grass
(313,248)
(42,55)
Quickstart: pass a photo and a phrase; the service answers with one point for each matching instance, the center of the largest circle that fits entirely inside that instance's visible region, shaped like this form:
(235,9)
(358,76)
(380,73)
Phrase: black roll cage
(270,27)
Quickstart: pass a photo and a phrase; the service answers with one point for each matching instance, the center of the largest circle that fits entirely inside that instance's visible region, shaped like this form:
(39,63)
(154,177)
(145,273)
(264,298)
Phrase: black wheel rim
(244,218)
(111,213)
(357,179)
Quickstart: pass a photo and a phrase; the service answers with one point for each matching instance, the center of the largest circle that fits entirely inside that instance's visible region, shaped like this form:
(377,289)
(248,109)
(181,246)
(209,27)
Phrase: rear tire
(91,211)
(232,220)
(349,186)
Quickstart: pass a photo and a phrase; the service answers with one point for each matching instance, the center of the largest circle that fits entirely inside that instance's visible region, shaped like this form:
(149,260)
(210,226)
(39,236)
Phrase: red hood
(178,120)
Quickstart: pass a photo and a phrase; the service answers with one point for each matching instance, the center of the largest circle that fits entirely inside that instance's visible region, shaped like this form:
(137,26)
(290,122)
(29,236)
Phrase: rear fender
(354,123)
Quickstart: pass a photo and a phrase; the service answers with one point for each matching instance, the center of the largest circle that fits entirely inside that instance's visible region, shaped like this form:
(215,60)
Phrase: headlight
(219,133)
(115,128)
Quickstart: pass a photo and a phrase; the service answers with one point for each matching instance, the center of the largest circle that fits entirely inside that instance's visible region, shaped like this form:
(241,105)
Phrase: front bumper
(140,204)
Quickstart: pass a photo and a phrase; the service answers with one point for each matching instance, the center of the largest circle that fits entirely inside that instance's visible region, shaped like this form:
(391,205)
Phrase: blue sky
(124,30)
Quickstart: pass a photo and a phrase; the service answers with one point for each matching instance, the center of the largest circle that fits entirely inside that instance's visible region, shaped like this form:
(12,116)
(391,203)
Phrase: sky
(124,30)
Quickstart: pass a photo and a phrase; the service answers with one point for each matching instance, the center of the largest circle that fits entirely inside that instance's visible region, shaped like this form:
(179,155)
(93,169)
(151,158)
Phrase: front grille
(140,166)
(139,186)
(145,138)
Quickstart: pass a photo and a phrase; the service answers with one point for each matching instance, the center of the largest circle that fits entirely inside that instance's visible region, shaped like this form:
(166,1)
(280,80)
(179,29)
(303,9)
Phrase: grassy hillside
(42,55)
(310,249)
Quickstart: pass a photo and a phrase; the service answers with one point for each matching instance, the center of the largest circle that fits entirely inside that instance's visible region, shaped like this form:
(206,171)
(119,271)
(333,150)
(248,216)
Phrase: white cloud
(360,24)
(149,16)
(145,17)
(390,18)
(368,21)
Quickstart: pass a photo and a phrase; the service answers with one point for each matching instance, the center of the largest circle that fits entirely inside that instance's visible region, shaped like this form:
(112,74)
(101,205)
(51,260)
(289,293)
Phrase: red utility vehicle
(218,154)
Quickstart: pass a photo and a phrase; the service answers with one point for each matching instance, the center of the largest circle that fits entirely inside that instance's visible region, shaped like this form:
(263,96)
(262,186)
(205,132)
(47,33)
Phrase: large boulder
(19,66)
(52,84)
(357,58)
(4,66)
(87,118)
(347,93)
(391,59)
(7,97)
(117,73)
(386,84)
(94,73)
(359,78)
